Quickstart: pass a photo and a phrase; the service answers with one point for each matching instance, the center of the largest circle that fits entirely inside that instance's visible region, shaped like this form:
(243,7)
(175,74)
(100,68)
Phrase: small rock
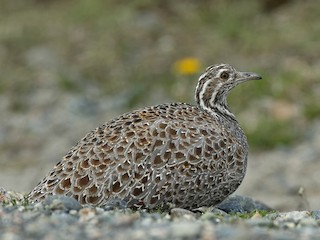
(218,211)
(294,219)
(126,220)
(212,217)
(180,213)
(289,225)
(294,216)
(11,198)
(86,214)
(115,203)
(316,214)
(241,204)
(308,222)
(60,202)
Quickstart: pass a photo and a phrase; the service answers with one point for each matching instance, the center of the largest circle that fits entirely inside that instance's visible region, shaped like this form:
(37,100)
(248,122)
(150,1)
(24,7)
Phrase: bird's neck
(214,102)
(220,109)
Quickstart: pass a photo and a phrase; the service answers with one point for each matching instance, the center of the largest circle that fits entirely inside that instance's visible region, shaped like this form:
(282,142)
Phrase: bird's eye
(224,75)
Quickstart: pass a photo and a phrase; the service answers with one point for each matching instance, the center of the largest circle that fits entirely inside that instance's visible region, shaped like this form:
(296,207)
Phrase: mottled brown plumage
(188,156)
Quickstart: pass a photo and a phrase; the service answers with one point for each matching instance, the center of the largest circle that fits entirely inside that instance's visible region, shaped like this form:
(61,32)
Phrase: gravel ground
(285,179)
(64,218)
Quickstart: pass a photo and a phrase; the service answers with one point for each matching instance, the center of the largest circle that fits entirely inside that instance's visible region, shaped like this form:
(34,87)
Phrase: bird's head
(216,82)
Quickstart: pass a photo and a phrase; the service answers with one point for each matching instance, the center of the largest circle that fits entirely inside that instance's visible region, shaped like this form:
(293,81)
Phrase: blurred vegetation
(132,48)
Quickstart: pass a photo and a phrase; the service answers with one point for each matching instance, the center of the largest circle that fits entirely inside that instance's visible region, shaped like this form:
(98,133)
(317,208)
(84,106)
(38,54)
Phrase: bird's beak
(246,76)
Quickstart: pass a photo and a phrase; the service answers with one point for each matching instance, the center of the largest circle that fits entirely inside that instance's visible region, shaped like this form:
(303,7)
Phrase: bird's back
(166,154)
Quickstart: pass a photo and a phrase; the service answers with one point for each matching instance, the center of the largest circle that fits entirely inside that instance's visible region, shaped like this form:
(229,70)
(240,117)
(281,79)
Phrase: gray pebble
(241,204)
(60,202)
(63,218)
(316,214)
(180,213)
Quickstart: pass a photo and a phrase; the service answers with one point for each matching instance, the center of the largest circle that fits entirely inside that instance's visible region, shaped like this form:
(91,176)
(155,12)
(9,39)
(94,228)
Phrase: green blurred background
(68,66)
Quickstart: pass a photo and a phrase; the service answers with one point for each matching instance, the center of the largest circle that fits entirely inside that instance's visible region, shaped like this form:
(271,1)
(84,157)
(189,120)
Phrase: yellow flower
(187,66)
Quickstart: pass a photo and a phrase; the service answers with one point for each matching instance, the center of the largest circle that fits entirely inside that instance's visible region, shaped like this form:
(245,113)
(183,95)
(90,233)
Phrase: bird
(173,154)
